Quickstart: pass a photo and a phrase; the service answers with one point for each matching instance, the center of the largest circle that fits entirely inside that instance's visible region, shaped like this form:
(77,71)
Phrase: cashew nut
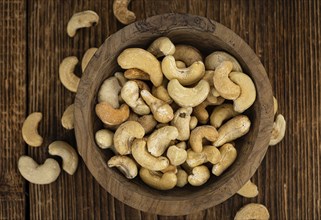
(199,176)
(213,60)
(209,154)
(188,97)
(125,135)
(161,93)
(181,178)
(148,122)
(111,116)
(248,92)
(130,94)
(181,145)
(197,135)
(278,130)
(252,211)
(162,46)
(170,168)
(46,173)
(275,105)
(180,64)
(30,129)
(109,92)
(66,73)
(125,165)
(228,156)
(176,155)
(104,138)
(186,76)
(81,20)
(181,121)
(87,57)
(145,159)
(233,129)
(201,113)
(193,122)
(143,60)
(249,190)
(214,100)
(222,113)
(135,73)
(223,84)
(121,78)
(67,153)
(187,54)
(121,12)
(162,111)
(159,140)
(157,180)
(67,119)
(141,85)
(213,155)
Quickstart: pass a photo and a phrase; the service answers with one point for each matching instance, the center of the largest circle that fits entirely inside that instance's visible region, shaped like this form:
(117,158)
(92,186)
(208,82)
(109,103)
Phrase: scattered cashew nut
(197,135)
(199,176)
(67,119)
(157,180)
(187,54)
(30,129)
(162,46)
(66,73)
(81,20)
(249,190)
(121,12)
(181,121)
(252,211)
(87,57)
(213,60)
(124,164)
(278,130)
(111,116)
(228,156)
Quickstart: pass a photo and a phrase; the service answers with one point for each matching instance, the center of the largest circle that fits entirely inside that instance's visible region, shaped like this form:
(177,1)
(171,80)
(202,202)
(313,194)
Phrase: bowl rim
(143,199)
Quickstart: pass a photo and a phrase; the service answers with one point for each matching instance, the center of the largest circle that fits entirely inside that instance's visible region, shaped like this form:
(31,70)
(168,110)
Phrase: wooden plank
(12,107)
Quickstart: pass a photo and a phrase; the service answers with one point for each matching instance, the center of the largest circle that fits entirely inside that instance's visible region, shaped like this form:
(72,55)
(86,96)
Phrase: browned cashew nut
(136,74)
(197,135)
(121,12)
(111,116)
(187,54)
(157,180)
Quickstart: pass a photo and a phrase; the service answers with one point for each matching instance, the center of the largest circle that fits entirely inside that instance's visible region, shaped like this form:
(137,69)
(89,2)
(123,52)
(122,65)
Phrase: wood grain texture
(286,35)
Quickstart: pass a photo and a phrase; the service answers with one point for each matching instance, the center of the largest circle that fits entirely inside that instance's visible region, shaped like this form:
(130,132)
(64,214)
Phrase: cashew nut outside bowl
(67,119)
(121,12)
(249,190)
(66,73)
(252,211)
(30,130)
(278,130)
(87,57)
(81,20)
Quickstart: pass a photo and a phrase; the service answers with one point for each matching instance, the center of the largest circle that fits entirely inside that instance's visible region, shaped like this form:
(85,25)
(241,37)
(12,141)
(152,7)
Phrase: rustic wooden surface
(285,35)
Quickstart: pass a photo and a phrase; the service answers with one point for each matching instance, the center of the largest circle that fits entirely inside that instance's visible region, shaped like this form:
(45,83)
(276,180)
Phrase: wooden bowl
(207,36)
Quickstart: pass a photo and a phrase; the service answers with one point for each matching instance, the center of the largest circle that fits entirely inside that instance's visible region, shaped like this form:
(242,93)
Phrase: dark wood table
(33,41)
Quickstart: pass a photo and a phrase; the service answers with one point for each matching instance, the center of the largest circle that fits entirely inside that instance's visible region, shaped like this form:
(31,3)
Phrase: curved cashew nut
(181,145)
(135,73)
(193,122)
(162,46)
(201,113)
(125,135)
(176,155)
(228,156)
(213,155)
(109,92)
(141,85)
(275,105)
(248,91)
(209,154)
(181,121)
(66,73)
(67,119)
(214,100)
(87,57)
(233,129)
(181,178)
(81,20)
(180,64)
(209,77)
(148,122)
(104,138)
(143,60)
(121,12)
(252,211)
(223,84)
(213,60)
(186,76)
(187,54)
(249,190)
(170,168)
(121,78)
(111,116)
(222,113)
(159,140)
(158,181)
(161,93)
(188,97)
(67,153)
(130,94)
(197,135)
(30,129)
(145,159)
(125,165)
(45,173)
(278,130)
(199,176)
(162,111)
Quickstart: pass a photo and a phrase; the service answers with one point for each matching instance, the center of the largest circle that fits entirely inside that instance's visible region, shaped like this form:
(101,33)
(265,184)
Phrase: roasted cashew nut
(81,20)
(199,176)
(197,135)
(187,54)
(109,92)
(213,60)
(228,156)
(162,46)
(278,130)
(67,119)
(121,12)
(87,57)
(111,116)
(222,113)
(176,156)
(157,180)
(249,190)
(66,73)
(30,130)
(181,121)
(252,211)
(125,165)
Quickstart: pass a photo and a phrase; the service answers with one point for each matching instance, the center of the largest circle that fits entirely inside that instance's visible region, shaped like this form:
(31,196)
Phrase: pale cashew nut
(188,97)
(214,100)
(186,76)
(67,119)
(197,135)
(87,57)
(181,145)
(248,91)
(252,211)
(104,138)
(275,105)
(222,113)
(111,116)
(209,154)
(215,92)
(223,84)
(162,46)
(148,122)
(121,12)
(233,129)
(81,20)
(278,130)
(199,176)
(213,155)
(181,121)
(193,122)
(249,190)
(67,153)
(109,92)
(30,129)
(187,54)
(125,165)
(45,173)
(228,156)
(145,159)
(125,135)
(121,78)
(181,178)
(180,64)
(176,156)
(157,180)
(143,60)
(162,111)
(135,73)
(159,140)
(161,93)
(213,60)
(66,73)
